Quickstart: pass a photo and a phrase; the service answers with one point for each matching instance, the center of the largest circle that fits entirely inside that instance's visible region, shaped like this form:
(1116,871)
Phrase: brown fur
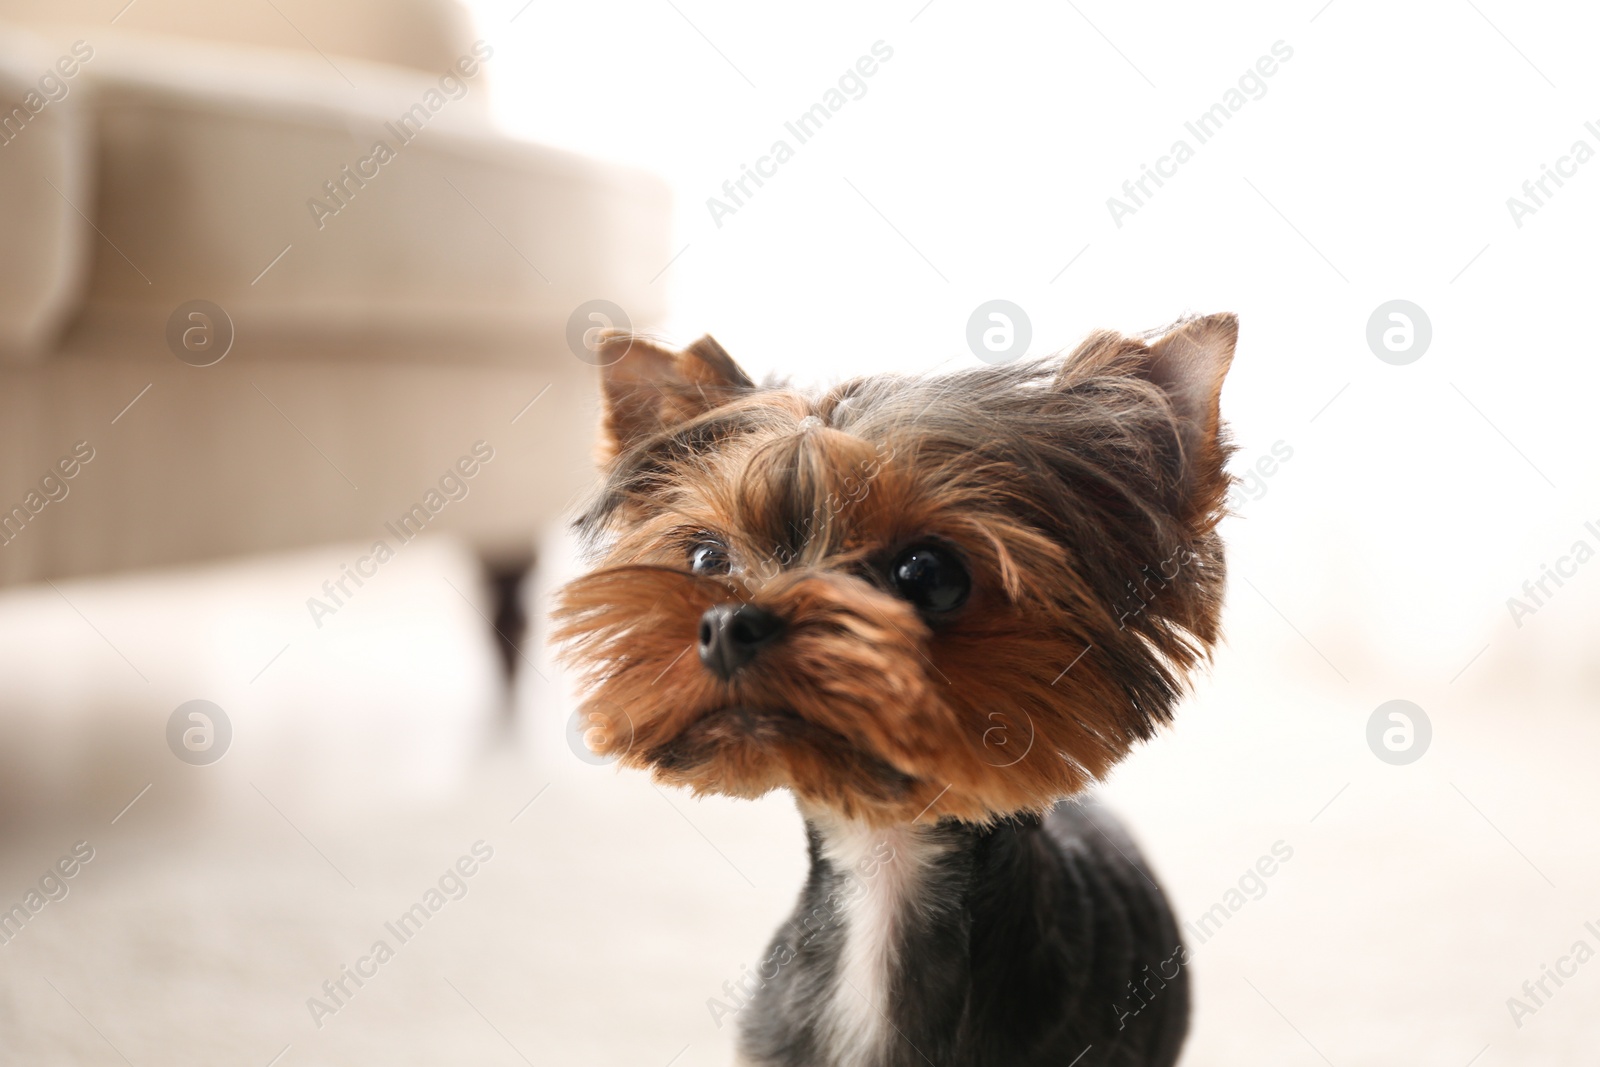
(1083,495)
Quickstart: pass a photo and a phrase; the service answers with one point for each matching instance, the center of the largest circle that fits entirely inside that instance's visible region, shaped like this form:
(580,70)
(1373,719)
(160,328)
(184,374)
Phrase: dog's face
(963,596)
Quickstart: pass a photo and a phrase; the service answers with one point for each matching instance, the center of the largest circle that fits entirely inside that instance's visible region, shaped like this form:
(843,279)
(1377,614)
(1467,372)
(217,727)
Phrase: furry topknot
(1080,493)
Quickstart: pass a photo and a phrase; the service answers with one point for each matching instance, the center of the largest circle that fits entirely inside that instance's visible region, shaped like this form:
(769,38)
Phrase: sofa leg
(508,581)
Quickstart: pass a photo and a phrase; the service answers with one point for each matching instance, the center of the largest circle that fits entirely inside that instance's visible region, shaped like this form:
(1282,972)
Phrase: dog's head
(965,595)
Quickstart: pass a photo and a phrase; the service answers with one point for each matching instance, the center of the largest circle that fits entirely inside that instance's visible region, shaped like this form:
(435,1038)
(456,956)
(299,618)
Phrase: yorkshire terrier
(933,609)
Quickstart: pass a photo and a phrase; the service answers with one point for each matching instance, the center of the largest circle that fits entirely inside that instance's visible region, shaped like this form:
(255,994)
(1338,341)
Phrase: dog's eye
(930,577)
(708,557)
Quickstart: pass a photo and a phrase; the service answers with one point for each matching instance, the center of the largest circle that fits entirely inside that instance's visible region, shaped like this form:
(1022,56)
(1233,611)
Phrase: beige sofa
(376,338)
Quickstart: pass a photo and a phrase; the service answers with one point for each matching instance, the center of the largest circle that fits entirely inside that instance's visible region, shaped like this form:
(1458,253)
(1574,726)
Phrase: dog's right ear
(648,389)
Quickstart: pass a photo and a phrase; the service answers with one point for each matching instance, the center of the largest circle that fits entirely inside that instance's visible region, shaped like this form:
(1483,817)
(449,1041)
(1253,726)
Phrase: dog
(936,610)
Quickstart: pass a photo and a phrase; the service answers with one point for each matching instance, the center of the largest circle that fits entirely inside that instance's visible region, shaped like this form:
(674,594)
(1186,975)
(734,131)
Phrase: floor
(371,763)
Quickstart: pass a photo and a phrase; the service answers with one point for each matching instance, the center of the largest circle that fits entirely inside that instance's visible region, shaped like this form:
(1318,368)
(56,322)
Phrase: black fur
(1031,943)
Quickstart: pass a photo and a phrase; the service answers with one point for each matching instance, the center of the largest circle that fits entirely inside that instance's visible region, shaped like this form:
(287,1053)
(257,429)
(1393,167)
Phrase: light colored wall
(424,34)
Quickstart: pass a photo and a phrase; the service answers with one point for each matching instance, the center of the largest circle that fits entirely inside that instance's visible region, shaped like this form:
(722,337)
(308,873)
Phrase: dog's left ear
(1190,363)
(647,388)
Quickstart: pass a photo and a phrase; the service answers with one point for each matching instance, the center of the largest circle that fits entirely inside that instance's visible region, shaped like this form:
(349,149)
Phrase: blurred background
(241,346)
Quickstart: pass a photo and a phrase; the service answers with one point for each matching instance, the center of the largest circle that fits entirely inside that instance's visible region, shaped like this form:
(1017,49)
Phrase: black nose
(732,634)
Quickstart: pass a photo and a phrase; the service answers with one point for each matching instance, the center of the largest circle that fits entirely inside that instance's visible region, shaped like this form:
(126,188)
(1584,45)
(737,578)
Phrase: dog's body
(954,944)
(930,608)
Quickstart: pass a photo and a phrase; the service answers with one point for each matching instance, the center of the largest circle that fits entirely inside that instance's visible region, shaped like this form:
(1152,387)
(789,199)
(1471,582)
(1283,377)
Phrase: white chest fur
(886,884)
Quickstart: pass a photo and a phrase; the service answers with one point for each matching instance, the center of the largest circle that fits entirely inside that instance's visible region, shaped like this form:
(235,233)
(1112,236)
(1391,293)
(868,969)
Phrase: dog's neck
(955,944)
(876,966)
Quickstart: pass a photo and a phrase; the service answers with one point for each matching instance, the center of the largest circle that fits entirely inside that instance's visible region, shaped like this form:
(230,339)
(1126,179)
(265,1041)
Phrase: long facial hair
(1080,493)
